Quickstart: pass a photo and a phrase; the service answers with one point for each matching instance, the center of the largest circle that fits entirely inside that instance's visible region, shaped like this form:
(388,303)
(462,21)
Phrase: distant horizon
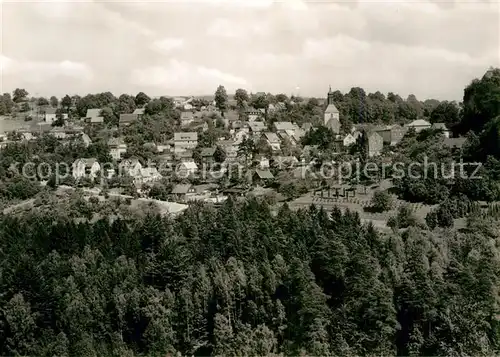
(231,94)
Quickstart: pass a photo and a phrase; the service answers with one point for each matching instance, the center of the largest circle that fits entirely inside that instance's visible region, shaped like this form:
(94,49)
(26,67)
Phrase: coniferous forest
(242,280)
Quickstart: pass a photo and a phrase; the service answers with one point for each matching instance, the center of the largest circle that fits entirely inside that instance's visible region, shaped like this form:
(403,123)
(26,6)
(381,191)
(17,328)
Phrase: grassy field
(7,124)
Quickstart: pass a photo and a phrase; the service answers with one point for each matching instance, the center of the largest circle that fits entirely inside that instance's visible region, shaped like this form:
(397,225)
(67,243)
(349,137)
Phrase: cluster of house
(179,151)
(94,116)
(91,168)
(65,133)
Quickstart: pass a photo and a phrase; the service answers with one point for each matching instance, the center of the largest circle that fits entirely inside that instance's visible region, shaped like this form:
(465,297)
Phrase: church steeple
(330,96)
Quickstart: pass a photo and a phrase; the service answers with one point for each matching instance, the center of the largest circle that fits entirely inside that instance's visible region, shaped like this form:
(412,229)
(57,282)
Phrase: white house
(131,167)
(186,168)
(263,163)
(419,125)
(50,115)
(253,114)
(348,140)
(85,168)
(58,132)
(286,126)
(147,175)
(117,148)
(185,141)
(273,140)
(187,117)
(93,116)
(257,127)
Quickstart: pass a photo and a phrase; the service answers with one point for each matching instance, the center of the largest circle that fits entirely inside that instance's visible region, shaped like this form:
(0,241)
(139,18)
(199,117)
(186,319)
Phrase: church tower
(331,115)
(330,96)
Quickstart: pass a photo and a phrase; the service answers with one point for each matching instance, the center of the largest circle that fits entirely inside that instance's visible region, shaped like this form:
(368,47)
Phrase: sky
(427,48)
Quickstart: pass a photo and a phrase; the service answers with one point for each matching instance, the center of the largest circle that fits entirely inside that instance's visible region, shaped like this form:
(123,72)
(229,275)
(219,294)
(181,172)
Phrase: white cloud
(167,44)
(226,27)
(179,77)
(29,71)
(424,47)
(67,11)
(343,49)
(241,3)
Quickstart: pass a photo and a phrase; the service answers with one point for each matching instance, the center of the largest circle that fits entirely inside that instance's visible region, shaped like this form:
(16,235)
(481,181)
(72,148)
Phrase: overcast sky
(430,49)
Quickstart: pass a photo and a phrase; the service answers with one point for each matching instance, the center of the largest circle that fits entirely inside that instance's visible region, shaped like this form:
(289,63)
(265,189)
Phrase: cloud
(166,45)
(239,3)
(67,11)
(225,27)
(180,76)
(29,71)
(427,48)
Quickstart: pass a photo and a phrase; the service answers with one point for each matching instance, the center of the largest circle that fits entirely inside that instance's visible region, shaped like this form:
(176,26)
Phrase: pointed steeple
(330,96)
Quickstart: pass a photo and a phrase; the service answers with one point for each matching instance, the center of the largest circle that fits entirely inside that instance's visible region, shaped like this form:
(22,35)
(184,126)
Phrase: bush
(405,217)
(381,201)
(431,219)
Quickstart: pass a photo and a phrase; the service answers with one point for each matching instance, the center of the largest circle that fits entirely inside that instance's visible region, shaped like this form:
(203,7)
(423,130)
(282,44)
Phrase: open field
(7,124)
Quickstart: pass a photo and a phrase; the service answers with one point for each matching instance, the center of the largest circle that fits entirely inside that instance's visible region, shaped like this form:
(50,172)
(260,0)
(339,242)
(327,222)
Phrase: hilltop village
(181,150)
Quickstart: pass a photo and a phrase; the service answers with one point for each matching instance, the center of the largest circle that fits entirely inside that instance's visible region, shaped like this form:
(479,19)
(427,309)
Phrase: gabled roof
(181,189)
(190,165)
(272,137)
(92,113)
(128,118)
(285,125)
(186,154)
(440,126)
(139,111)
(130,162)
(419,122)
(86,138)
(205,187)
(264,174)
(299,133)
(257,126)
(331,108)
(206,152)
(96,119)
(50,110)
(148,171)
(189,136)
(370,134)
(226,143)
(87,162)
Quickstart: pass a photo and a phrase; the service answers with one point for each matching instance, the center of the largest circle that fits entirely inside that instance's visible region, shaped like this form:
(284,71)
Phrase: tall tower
(330,96)
(331,115)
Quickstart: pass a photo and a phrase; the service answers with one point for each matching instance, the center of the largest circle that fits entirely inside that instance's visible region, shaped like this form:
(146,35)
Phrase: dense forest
(241,280)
